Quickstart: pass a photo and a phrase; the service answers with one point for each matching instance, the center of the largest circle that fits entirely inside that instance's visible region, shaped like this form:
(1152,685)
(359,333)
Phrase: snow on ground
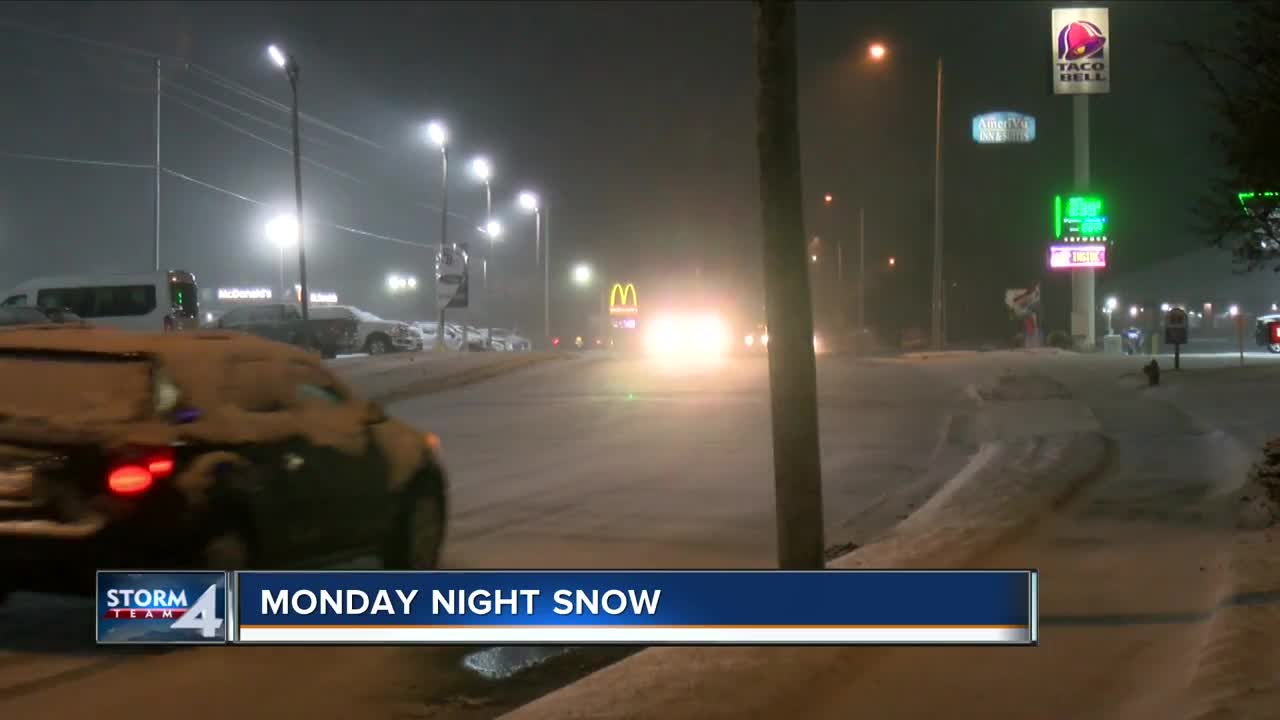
(1154,604)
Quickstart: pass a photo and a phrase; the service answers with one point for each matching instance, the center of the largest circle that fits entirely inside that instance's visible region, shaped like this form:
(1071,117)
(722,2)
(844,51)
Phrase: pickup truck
(283,322)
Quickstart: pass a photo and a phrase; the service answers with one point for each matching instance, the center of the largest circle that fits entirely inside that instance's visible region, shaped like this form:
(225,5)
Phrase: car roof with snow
(64,338)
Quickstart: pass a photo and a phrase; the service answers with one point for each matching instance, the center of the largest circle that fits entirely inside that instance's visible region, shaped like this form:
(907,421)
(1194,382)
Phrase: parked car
(283,322)
(430,332)
(508,341)
(374,335)
(215,450)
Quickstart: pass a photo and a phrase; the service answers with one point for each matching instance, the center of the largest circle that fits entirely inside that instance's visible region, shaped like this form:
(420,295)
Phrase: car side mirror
(374,414)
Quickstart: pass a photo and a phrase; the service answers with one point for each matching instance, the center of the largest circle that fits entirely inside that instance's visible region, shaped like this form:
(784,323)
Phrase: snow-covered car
(508,341)
(215,450)
(430,329)
(374,335)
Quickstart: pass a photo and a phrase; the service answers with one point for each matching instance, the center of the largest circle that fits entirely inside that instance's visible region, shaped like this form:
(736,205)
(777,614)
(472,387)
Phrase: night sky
(635,121)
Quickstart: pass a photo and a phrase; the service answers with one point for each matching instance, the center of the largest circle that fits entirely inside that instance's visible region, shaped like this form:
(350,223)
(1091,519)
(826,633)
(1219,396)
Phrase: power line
(353,178)
(75,161)
(261,203)
(217,78)
(244,113)
(259,138)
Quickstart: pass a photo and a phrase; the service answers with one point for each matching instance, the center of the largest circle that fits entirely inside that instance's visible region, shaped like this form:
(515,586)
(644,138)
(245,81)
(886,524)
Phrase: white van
(152,301)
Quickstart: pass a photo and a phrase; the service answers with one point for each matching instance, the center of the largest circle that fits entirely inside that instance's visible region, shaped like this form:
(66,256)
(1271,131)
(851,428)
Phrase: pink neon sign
(1066,257)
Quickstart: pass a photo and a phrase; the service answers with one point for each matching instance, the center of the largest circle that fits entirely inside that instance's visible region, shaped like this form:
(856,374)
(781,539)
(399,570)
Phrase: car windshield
(74,387)
(365,315)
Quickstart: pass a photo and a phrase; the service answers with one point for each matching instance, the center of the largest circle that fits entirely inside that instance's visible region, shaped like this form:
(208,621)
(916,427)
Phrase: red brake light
(555,341)
(129,480)
(139,471)
(1275,332)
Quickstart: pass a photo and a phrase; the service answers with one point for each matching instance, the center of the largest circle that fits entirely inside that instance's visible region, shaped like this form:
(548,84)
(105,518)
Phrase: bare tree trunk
(788,308)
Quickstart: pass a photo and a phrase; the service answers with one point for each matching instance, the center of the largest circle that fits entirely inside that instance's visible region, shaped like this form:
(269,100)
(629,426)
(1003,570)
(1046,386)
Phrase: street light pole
(938,340)
(546,282)
(290,66)
(156,209)
(862,263)
(488,294)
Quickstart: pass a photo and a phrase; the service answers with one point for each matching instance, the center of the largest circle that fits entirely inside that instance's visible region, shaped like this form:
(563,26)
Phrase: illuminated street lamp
(1234,310)
(877,52)
(401,283)
(1108,308)
(287,63)
(282,231)
(892,262)
(581,274)
(492,230)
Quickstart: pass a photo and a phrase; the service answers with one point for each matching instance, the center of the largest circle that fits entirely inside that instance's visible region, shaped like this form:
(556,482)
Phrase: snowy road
(592,463)
(1155,602)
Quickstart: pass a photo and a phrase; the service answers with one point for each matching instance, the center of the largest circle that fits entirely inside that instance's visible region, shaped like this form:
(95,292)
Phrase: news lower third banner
(832,607)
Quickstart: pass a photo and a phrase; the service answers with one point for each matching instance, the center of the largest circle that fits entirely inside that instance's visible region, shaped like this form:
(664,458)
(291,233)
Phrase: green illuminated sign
(1079,218)
(1245,197)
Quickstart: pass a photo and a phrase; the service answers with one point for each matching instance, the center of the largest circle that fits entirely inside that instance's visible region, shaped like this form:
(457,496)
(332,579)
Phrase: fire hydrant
(1152,371)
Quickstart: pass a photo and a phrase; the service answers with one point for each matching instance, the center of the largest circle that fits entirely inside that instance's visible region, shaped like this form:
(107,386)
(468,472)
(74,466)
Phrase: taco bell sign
(1081,43)
(1000,128)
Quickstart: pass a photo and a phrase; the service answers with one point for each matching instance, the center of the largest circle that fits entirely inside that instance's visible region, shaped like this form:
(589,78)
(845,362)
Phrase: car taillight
(555,342)
(139,471)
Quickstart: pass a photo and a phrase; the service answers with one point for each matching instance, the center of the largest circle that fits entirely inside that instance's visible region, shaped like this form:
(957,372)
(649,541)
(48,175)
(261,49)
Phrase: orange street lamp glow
(877,51)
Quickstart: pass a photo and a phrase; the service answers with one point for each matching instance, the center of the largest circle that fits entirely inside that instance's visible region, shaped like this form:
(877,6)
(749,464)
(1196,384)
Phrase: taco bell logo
(1081,51)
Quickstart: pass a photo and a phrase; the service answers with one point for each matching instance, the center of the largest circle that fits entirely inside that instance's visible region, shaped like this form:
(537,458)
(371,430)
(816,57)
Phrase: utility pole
(862,264)
(797,468)
(546,278)
(938,339)
(445,251)
(156,209)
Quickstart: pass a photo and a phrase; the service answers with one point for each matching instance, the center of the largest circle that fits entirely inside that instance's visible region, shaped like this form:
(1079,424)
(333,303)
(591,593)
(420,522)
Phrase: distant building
(1206,283)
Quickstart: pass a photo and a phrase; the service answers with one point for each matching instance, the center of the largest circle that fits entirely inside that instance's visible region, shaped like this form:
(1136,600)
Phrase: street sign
(1175,326)
(452,277)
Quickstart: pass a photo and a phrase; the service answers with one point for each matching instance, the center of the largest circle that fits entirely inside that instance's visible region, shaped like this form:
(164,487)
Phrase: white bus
(152,301)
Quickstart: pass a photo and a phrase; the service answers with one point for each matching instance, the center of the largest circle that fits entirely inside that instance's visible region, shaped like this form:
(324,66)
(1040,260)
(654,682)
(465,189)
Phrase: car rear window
(75,387)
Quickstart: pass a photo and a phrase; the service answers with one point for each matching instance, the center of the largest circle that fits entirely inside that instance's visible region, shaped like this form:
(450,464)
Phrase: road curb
(1028,478)
(469,376)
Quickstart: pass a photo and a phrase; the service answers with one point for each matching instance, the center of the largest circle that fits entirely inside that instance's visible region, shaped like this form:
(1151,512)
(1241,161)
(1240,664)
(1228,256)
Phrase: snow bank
(1000,493)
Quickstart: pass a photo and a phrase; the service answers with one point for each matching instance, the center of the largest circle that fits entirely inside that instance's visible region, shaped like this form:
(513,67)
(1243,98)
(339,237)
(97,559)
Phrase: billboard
(1067,257)
(622,300)
(1081,41)
(1001,128)
(1080,218)
(452,277)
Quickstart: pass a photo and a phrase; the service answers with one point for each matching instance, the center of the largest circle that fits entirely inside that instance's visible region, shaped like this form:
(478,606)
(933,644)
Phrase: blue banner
(186,608)
(650,607)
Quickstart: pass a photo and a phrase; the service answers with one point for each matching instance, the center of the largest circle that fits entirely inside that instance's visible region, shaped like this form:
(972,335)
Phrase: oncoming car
(198,450)
(757,341)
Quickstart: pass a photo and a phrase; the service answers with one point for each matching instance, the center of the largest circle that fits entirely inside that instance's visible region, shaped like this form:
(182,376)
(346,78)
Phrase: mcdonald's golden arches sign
(622,299)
